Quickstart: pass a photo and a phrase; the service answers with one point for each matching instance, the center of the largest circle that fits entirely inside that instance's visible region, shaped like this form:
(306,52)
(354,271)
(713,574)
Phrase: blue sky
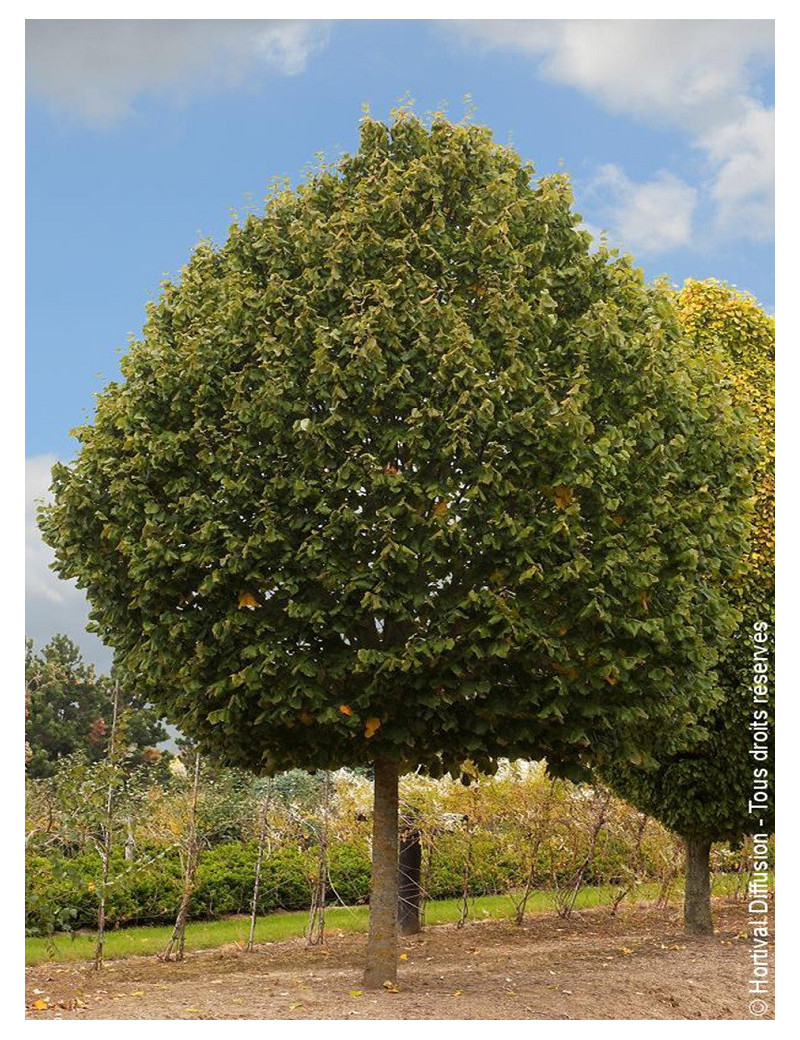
(142,137)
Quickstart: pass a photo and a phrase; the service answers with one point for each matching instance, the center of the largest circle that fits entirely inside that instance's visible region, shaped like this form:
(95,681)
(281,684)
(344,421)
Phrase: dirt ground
(637,965)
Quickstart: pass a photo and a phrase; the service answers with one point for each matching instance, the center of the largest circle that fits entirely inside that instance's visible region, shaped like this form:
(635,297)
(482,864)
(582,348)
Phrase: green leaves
(382,445)
(704,787)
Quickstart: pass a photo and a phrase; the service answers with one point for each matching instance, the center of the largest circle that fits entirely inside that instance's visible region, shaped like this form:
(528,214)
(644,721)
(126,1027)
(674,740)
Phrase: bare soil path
(636,965)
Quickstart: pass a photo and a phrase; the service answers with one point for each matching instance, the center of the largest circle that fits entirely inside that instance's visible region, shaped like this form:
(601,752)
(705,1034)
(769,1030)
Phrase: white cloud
(41,583)
(96,69)
(652,216)
(744,187)
(696,76)
(51,604)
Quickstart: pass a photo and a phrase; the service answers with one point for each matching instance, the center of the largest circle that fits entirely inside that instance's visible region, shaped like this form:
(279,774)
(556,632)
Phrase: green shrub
(350,871)
(62,891)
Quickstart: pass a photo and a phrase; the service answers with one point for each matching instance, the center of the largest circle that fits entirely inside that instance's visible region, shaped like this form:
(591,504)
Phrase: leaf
(247,599)
(356,993)
(41,1005)
(371,727)
(563,496)
(345,709)
(612,680)
(403,956)
(441,509)
(391,987)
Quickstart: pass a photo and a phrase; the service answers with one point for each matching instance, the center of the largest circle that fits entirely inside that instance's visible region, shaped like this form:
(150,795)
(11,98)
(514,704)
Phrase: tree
(720,787)
(69,708)
(404,474)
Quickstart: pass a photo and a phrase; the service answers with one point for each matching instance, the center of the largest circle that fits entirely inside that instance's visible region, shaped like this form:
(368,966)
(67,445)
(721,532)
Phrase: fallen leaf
(138,993)
(458,993)
(391,987)
(41,1005)
(356,993)
(403,956)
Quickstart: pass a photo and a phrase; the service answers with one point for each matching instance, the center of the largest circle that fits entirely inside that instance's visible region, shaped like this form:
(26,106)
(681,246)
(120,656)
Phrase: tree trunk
(697,898)
(410,875)
(382,944)
(262,836)
(105,852)
(177,941)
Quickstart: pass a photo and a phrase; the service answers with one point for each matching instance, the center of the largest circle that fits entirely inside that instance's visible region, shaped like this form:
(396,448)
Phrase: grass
(204,935)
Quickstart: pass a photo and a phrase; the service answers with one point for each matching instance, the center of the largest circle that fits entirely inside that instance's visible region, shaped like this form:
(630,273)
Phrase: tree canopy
(68,709)
(405,469)
(706,790)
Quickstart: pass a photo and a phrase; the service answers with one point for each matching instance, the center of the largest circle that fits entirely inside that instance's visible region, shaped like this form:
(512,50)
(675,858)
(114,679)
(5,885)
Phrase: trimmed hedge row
(62,890)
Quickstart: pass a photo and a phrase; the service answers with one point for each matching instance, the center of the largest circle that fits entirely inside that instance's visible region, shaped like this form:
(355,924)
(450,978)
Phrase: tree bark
(105,852)
(410,875)
(382,944)
(178,938)
(262,836)
(697,897)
